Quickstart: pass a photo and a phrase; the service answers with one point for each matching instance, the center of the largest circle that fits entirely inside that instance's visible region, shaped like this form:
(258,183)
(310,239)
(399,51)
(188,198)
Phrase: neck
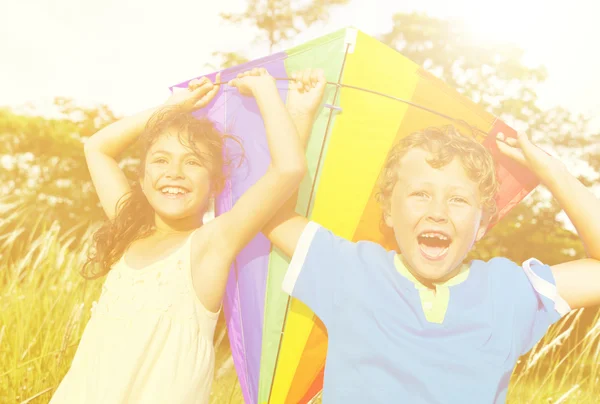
(430,283)
(177,226)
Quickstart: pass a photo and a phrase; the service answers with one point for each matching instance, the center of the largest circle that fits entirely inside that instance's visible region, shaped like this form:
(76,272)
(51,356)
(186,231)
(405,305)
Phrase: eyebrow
(453,188)
(170,154)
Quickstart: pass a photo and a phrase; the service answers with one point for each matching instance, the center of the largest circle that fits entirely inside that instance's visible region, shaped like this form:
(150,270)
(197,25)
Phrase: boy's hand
(249,81)
(524,152)
(198,94)
(306,89)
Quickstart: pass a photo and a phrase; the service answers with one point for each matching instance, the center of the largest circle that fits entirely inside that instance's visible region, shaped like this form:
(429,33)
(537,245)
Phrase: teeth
(172,190)
(435,235)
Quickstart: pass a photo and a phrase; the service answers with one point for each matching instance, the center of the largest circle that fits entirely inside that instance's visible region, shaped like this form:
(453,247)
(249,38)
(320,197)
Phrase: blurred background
(70,67)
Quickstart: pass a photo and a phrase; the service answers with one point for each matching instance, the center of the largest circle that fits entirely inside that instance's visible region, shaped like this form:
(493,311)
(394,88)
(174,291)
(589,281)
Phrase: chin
(174,214)
(431,270)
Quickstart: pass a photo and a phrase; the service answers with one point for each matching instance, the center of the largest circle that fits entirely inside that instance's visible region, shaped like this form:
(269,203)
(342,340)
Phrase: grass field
(45,304)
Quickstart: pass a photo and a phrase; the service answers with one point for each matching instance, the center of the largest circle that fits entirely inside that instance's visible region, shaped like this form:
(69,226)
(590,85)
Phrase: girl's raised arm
(104,147)
(288,166)
(231,231)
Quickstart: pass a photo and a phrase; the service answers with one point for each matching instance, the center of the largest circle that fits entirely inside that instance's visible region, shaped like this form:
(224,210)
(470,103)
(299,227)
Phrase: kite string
(412,104)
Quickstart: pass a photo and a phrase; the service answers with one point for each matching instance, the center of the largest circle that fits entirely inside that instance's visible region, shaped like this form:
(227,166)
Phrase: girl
(150,336)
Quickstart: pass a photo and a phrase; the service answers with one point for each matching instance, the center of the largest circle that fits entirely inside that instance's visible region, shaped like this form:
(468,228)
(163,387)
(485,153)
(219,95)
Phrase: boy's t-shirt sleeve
(538,304)
(317,269)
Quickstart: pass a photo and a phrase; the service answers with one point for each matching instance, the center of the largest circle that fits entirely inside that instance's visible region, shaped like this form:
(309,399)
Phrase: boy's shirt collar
(434,304)
(462,275)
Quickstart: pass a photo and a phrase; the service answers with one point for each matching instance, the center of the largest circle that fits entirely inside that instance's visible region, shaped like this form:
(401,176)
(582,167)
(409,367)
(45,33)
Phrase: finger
(207,98)
(255,72)
(321,78)
(203,89)
(193,84)
(262,71)
(523,139)
(507,140)
(511,152)
(314,78)
(293,85)
(217,87)
(202,80)
(306,79)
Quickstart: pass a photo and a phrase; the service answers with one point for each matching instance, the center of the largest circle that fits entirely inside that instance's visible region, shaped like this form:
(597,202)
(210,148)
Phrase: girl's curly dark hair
(134,217)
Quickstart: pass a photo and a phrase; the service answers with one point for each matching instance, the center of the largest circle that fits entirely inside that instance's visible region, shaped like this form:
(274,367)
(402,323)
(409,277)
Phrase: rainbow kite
(378,96)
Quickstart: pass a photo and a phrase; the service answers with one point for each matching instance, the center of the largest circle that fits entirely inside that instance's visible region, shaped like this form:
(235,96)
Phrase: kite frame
(333,108)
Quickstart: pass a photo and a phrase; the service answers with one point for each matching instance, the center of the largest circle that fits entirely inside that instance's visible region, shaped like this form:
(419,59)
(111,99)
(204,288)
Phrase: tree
(276,21)
(44,177)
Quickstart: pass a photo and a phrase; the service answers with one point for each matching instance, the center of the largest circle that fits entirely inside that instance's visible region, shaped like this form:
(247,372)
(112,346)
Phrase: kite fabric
(277,343)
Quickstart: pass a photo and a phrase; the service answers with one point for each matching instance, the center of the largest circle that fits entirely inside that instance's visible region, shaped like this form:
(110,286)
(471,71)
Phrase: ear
(483,225)
(387,218)
(141,180)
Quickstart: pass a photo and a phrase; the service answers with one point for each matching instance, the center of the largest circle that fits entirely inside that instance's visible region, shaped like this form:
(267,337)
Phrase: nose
(438,212)
(174,171)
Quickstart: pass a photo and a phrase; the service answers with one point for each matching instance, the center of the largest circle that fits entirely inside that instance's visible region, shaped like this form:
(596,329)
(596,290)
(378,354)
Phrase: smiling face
(176,181)
(436,214)
(437,193)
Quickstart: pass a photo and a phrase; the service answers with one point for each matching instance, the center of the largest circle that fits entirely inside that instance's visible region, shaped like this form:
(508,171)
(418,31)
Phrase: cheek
(466,221)
(200,177)
(152,173)
(409,210)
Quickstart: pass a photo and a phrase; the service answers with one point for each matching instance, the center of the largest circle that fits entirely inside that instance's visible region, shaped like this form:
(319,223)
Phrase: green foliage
(276,21)
(44,173)
(531,229)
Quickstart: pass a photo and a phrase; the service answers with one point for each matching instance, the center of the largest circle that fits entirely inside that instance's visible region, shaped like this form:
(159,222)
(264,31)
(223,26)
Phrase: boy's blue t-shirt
(382,349)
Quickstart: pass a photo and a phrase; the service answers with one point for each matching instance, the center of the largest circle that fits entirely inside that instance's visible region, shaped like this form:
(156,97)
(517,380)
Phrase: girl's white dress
(149,339)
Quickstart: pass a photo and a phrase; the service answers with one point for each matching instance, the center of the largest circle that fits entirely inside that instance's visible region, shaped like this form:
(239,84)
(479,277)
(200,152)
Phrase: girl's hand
(198,94)
(306,90)
(524,152)
(248,81)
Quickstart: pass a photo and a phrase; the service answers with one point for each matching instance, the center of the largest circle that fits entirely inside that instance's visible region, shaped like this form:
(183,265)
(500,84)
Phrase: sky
(126,53)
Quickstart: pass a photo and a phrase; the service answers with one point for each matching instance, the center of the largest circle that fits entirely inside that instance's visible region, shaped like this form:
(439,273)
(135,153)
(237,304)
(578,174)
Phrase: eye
(459,199)
(194,163)
(160,160)
(420,194)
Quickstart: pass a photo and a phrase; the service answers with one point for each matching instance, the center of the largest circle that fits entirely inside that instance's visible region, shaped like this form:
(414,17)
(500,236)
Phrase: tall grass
(45,304)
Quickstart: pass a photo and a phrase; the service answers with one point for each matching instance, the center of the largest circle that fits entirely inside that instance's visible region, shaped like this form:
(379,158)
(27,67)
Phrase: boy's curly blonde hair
(444,144)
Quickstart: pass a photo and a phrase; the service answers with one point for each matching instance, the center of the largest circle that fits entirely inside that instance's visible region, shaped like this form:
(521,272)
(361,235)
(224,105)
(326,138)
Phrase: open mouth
(174,192)
(434,245)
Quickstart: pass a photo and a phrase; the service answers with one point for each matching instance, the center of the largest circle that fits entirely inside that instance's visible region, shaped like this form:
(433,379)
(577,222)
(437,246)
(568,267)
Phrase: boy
(419,326)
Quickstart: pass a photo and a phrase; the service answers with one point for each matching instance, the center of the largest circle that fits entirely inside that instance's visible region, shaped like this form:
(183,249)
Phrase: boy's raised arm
(577,282)
(306,91)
